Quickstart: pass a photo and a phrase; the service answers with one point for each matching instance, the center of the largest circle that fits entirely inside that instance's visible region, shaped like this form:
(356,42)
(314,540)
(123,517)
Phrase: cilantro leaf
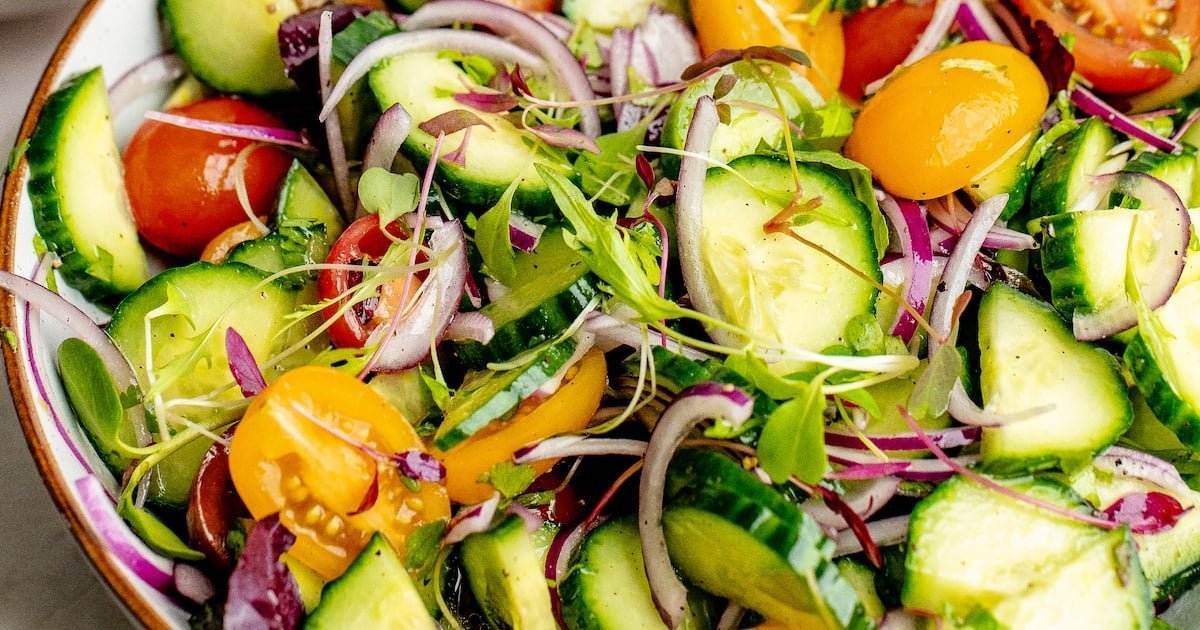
(509,479)
(793,440)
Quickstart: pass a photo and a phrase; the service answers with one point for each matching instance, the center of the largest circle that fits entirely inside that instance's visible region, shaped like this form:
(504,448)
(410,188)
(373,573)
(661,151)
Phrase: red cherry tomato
(874,56)
(213,505)
(362,242)
(1108,32)
(181,182)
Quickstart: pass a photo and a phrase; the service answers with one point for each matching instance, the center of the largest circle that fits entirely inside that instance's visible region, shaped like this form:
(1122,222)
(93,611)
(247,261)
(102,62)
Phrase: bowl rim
(22,389)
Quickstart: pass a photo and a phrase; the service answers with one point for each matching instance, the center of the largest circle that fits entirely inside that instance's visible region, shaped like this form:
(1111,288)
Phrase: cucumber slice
(627,14)
(197,296)
(374,592)
(490,396)
(606,587)
(862,578)
(301,197)
(1166,376)
(293,243)
(1191,138)
(78,192)
(1170,559)
(507,575)
(1011,174)
(1177,170)
(970,546)
(424,83)
(726,530)
(231,44)
(551,288)
(772,285)
(1029,358)
(749,129)
(1101,587)
(1062,177)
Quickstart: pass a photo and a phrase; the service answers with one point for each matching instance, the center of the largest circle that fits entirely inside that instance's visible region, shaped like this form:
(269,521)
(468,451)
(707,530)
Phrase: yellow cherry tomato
(566,410)
(937,125)
(283,462)
(737,24)
(218,248)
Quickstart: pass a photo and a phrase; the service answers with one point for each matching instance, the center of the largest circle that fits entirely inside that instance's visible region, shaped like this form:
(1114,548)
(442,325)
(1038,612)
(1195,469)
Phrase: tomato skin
(1104,60)
(212,507)
(283,463)
(874,56)
(737,24)
(218,249)
(567,410)
(939,123)
(181,182)
(363,241)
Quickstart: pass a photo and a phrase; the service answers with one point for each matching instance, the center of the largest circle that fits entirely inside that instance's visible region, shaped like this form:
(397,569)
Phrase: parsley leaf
(509,479)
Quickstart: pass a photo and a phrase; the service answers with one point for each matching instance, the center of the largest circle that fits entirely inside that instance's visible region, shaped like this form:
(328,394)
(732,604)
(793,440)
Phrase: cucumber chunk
(301,197)
(424,83)
(192,300)
(1012,175)
(606,587)
(1167,376)
(78,193)
(862,578)
(551,288)
(506,573)
(1084,258)
(231,44)
(774,286)
(605,16)
(1030,358)
(726,530)
(1062,177)
(970,546)
(489,396)
(748,129)
(374,592)
(293,243)
(1177,170)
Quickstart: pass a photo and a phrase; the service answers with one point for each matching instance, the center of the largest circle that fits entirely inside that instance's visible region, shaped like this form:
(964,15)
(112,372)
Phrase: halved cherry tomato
(875,56)
(362,242)
(566,410)
(212,506)
(741,24)
(282,462)
(939,123)
(182,183)
(1108,32)
(218,248)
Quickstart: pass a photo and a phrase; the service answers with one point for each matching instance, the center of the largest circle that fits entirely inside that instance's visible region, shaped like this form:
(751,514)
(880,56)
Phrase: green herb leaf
(17,153)
(828,127)
(930,396)
(437,389)
(390,195)
(864,399)
(423,545)
(793,440)
(760,376)
(865,335)
(154,533)
(1176,61)
(509,479)
(494,240)
(862,183)
(97,404)
(478,68)
(610,174)
(359,34)
(10,337)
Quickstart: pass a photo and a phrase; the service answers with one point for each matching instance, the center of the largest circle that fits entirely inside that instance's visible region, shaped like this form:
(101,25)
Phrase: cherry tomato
(1108,32)
(218,248)
(874,56)
(743,23)
(283,462)
(566,410)
(362,242)
(181,182)
(212,506)
(936,125)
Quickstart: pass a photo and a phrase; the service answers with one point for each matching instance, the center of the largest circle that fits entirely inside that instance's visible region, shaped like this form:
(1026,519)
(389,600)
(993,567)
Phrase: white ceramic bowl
(118,35)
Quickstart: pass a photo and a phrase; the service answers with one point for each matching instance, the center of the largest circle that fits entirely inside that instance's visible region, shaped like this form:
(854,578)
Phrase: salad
(636,313)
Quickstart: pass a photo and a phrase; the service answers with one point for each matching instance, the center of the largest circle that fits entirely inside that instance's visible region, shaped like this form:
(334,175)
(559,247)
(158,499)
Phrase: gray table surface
(45,581)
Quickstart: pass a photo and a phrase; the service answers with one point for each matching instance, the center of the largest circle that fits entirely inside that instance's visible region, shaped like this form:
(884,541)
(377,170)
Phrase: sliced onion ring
(528,32)
(473,325)
(945,438)
(471,519)
(865,499)
(1127,462)
(151,568)
(908,218)
(387,136)
(577,446)
(1087,101)
(1172,228)
(885,532)
(156,72)
(257,133)
(695,404)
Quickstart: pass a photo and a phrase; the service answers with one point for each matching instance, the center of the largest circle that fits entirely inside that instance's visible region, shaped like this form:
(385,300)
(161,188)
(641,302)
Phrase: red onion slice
(731,617)
(865,500)
(410,339)
(469,42)
(474,326)
(1127,462)
(243,365)
(612,332)
(387,136)
(152,74)
(578,446)
(471,519)
(945,438)
(908,218)
(915,469)
(1087,101)
(524,233)
(526,31)
(885,532)
(151,568)
(256,133)
(1146,512)
(1172,229)
(333,122)
(929,41)
(191,583)
(975,22)
(695,404)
